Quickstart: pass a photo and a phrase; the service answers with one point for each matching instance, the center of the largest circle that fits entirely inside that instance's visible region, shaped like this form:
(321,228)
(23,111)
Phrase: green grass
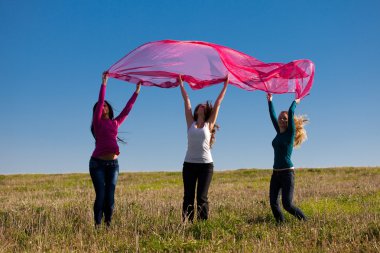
(53,213)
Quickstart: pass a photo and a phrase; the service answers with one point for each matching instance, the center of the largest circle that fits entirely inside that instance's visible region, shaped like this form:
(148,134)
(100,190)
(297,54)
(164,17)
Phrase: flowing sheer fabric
(202,64)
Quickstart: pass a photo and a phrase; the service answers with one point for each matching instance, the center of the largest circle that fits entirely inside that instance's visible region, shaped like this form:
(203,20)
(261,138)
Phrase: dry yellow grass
(53,213)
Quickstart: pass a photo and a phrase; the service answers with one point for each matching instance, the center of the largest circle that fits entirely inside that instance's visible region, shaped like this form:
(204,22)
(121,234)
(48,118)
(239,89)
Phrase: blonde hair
(300,121)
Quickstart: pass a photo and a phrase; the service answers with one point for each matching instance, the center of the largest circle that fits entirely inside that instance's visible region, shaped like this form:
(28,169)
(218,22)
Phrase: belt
(276,171)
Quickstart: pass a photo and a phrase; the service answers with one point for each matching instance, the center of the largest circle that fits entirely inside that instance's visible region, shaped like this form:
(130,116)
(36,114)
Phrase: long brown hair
(208,111)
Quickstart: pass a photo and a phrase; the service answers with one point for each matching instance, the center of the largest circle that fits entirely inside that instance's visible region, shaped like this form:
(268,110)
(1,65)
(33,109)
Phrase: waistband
(276,171)
(291,168)
(188,165)
(104,161)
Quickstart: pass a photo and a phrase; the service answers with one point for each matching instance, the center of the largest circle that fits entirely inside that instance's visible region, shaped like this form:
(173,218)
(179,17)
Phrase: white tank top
(198,144)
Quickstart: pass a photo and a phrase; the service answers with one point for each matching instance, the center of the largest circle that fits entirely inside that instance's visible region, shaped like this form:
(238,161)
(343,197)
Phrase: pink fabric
(202,64)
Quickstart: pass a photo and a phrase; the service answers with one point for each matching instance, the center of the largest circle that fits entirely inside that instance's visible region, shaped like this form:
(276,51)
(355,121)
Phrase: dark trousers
(104,174)
(284,181)
(191,173)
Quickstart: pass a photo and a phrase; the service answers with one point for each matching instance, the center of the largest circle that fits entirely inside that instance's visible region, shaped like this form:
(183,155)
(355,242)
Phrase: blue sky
(52,54)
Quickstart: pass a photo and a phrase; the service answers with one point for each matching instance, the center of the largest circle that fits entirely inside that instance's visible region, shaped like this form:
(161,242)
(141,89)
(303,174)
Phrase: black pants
(104,174)
(284,181)
(191,173)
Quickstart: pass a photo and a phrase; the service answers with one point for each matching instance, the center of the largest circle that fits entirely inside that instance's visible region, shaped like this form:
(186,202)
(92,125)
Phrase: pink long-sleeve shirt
(106,129)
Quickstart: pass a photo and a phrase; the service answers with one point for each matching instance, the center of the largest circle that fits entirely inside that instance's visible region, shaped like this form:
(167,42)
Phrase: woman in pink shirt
(104,167)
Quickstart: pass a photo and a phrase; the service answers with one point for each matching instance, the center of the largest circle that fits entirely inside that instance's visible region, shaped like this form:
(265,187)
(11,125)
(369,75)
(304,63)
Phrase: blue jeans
(284,181)
(191,173)
(104,174)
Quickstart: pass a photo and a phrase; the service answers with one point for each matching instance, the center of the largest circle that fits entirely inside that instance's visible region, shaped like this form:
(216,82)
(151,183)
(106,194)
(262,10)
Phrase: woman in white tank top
(198,165)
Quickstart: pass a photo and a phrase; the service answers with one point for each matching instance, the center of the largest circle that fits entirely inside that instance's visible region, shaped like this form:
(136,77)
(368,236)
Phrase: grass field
(53,213)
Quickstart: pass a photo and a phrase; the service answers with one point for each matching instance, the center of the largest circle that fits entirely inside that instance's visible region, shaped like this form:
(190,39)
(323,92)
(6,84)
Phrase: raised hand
(226,81)
(269,96)
(138,86)
(104,78)
(180,80)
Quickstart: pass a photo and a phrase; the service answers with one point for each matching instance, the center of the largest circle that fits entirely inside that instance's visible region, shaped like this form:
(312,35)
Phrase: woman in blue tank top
(198,165)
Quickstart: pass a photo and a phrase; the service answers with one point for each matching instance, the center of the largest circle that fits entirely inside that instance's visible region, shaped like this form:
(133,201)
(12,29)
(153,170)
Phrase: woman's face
(283,120)
(106,110)
(201,110)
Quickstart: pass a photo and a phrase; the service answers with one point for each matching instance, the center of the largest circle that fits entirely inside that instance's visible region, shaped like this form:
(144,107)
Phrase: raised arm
(99,107)
(186,100)
(291,124)
(128,107)
(272,113)
(218,102)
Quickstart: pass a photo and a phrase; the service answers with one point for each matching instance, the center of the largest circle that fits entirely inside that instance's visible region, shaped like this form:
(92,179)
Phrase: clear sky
(52,55)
